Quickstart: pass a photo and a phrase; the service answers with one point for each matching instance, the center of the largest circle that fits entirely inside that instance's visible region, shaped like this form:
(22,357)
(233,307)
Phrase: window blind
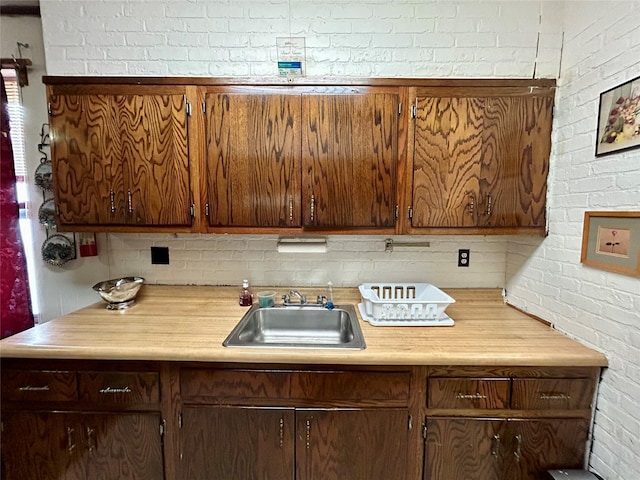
(16,121)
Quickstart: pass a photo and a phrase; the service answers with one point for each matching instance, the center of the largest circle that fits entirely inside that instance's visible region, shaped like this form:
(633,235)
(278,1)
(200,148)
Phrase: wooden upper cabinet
(349,159)
(120,157)
(480,158)
(253,159)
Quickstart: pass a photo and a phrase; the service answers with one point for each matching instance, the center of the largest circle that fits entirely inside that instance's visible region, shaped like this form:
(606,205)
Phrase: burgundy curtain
(15,304)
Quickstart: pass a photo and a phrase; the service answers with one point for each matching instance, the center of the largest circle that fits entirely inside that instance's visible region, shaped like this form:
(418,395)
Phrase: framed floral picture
(611,241)
(619,118)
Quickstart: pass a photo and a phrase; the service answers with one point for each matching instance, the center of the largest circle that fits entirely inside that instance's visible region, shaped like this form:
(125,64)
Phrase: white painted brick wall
(416,38)
(545,277)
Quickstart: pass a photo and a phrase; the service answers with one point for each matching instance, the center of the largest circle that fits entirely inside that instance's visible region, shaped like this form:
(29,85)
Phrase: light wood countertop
(189,323)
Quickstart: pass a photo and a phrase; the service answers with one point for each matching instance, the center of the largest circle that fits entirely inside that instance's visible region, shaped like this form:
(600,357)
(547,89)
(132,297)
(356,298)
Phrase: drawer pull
(470,396)
(495,447)
(115,390)
(70,444)
(91,439)
(31,388)
(555,396)
(281,432)
(308,433)
(518,452)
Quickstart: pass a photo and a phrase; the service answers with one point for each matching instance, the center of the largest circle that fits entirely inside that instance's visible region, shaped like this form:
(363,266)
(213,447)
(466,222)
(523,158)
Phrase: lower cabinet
(51,445)
(518,449)
(240,443)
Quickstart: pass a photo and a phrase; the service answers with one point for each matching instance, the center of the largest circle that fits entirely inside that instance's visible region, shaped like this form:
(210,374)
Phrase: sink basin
(298,327)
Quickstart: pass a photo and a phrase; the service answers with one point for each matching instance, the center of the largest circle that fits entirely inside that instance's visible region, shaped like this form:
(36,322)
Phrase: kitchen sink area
(307,326)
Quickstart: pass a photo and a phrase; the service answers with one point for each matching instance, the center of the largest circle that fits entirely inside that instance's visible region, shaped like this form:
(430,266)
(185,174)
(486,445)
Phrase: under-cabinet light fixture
(302,245)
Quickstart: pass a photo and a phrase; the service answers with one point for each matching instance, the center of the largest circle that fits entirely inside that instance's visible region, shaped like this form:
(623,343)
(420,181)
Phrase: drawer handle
(281,432)
(31,388)
(554,396)
(308,433)
(470,396)
(115,390)
(91,439)
(518,452)
(70,443)
(495,447)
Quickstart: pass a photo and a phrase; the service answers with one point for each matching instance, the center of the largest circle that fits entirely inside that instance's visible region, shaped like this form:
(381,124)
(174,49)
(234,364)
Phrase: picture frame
(619,119)
(611,241)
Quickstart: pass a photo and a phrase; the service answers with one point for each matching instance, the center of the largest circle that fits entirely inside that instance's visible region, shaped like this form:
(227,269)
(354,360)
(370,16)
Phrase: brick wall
(601,309)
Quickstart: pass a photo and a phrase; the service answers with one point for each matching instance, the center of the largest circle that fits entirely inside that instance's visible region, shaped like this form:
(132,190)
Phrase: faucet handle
(286,298)
(321,300)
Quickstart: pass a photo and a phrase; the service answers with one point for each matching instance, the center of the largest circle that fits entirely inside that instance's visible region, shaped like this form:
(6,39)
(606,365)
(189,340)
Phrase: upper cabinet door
(153,132)
(87,167)
(253,159)
(446,167)
(120,159)
(349,159)
(480,157)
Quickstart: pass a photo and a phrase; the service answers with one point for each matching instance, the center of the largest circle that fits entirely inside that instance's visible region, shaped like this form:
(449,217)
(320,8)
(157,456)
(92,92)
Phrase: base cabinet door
(463,448)
(237,443)
(509,449)
(535,446)
(76,446)
(352,444)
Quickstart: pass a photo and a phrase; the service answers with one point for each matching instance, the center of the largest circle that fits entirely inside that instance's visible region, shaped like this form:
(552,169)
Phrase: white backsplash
(200,259)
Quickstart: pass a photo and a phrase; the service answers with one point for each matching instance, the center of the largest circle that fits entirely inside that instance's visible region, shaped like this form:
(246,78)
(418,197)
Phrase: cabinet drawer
(338,386)
(119,387)
(468,393)
(234,384)
(552,393)
(39,385)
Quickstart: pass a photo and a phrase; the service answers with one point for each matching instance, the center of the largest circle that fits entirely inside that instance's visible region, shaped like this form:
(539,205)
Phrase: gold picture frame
(611,241)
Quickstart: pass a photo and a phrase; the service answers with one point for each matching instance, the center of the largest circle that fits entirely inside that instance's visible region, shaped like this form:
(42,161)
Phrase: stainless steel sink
(298,327)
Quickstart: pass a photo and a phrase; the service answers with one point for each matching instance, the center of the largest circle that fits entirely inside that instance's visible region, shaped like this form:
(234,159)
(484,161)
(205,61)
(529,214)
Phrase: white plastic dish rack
(404,304)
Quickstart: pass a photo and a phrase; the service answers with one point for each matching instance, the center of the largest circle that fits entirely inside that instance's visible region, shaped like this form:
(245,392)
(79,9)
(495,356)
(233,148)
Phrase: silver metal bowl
(119,293)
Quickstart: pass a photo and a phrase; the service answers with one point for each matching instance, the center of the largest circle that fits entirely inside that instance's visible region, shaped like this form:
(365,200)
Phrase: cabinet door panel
(516,147)
(87,167)
(41,446)
(237,443)
(349,160)
(460,449)
(253,159)
(536,446)
(351,444)
(153,129)
(448,145)
(122,446)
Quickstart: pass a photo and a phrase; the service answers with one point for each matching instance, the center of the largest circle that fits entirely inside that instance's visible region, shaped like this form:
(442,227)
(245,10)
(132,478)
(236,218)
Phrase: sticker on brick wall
(290,56)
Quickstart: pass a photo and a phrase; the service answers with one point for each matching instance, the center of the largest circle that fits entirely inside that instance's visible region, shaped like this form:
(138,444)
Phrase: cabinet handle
(70,444)
(518,452)
(313,208)
(130,201)
(91,439)
(206,210)
(555,396)
(495,447)
(290,209)
(112,199)
(470,396)
(472,203)
(308,433)
(31,388)
(281,432)
(109,389)
(489,199)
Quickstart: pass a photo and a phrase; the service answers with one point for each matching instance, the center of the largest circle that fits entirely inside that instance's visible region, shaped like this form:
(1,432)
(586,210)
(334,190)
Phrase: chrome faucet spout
(299,296)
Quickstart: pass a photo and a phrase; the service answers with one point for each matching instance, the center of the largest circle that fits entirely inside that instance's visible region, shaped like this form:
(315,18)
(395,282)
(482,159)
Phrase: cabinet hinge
(49,108)
(192,210)
(204,108)
(187,106)
(410,213)
(410,422)
(57,208)
(206,209)
(424,431)
(180,420)
(397,213)
(414,111)
(400,108)
(163,427)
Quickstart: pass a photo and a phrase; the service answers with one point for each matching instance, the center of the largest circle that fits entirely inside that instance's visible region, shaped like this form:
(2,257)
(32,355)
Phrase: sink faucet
(286,299)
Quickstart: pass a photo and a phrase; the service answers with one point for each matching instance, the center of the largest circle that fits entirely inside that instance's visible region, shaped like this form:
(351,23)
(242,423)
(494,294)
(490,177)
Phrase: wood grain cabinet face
(253,159)
(39,385)
(349,160)
(480,158)
(78,446)
(468,393)
(552,394)
(119,387)
(120,159)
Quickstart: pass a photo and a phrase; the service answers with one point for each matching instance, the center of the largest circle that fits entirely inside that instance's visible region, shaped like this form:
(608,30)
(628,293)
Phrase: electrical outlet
(160,255)
(463,257)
